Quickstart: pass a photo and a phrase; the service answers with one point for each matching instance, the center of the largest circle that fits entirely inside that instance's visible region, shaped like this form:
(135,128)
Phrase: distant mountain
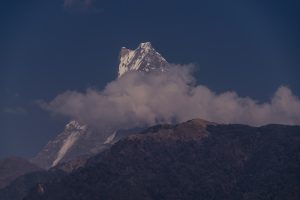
(13,167)
(191,160)
(80,139)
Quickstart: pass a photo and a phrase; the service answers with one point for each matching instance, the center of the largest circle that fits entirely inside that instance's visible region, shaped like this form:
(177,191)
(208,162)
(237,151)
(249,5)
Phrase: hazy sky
(50,46)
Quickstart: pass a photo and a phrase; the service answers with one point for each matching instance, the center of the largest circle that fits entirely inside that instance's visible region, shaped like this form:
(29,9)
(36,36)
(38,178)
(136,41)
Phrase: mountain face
(73,146)
(81,140)
(191,160)
(62,147)
(13,167)
(71,149)
(144,59)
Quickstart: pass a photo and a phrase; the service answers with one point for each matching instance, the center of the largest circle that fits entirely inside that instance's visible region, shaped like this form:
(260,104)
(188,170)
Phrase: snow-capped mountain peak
(144,58)
(80,139)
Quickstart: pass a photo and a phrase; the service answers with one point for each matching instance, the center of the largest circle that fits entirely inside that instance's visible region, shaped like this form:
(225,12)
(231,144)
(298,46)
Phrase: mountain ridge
(189,160)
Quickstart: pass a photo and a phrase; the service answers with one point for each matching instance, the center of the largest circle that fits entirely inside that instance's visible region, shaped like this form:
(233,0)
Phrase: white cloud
(138,99)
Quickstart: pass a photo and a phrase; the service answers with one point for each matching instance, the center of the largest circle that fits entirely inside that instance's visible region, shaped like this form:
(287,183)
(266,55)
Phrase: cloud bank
(138,99)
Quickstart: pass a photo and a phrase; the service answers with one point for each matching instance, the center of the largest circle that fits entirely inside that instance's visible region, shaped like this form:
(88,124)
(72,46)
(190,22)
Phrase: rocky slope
(191,160)
(64,147)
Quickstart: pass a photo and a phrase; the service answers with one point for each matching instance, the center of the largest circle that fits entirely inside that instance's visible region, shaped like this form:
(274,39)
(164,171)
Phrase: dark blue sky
(251,47)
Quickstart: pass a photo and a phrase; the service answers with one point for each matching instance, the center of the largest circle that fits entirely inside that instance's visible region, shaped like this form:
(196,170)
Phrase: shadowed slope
(191,160)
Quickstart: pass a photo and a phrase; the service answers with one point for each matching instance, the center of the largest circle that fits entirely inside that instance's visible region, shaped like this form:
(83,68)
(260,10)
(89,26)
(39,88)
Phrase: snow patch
(75,125)
(67,144)
(110,138)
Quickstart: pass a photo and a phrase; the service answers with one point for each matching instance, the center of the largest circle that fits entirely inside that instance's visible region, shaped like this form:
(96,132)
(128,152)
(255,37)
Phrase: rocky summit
(144,58)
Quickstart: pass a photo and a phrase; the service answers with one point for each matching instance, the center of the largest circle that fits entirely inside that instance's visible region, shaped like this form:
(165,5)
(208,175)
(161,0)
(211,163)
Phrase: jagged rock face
(65,146)
(13,167)
(191,160)
(79,139)
(144,59)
